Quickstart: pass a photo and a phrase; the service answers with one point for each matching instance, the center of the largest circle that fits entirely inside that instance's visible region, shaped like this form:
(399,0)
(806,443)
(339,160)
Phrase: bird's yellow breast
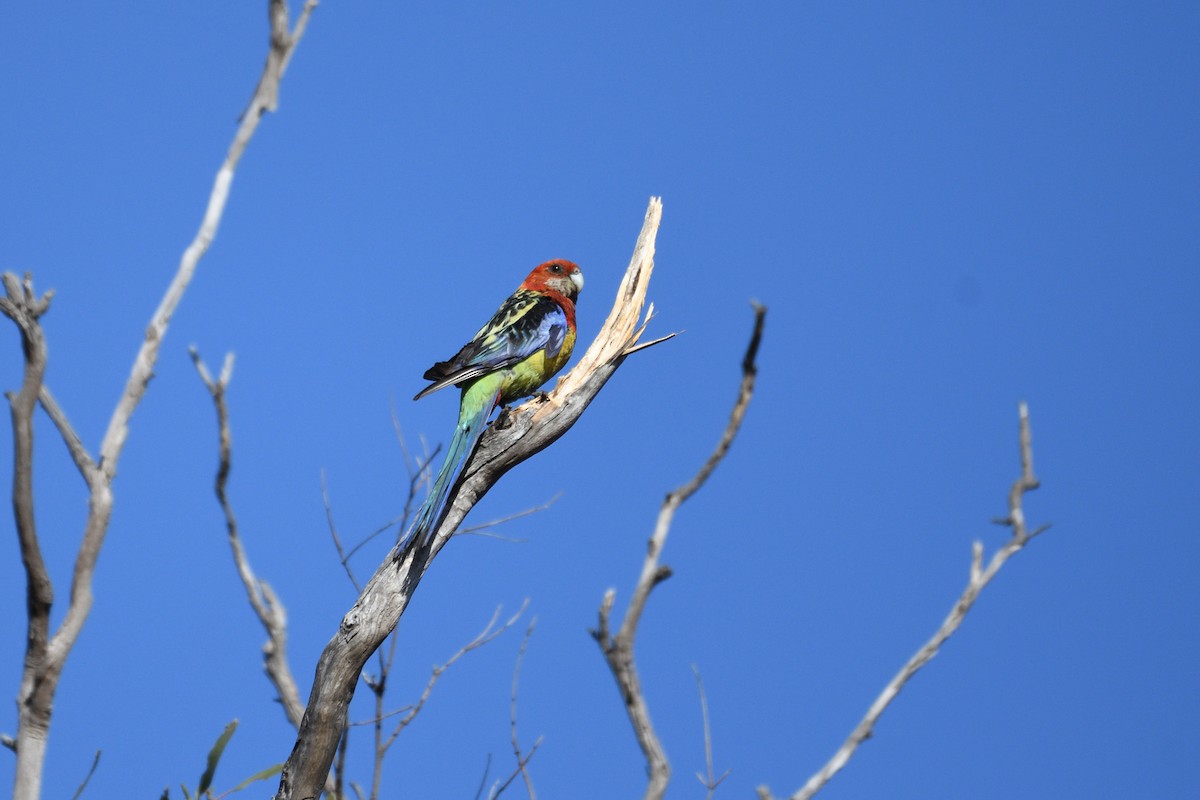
(525,377)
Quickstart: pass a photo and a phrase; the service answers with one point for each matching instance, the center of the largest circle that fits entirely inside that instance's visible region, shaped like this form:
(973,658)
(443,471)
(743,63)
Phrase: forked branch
(46,654)
(267,607)
(979,578)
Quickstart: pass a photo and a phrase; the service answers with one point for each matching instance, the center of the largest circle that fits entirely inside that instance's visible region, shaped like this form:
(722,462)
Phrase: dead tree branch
(283,43)
(262,598)
(522,768)
(522,761)
(710,781)
(531,427)
(378,686)
(337,540)
(486,636)
(45,654)
(75,446)
(379,682)
(25,308)
(618,650)
(979,578)
(86,778)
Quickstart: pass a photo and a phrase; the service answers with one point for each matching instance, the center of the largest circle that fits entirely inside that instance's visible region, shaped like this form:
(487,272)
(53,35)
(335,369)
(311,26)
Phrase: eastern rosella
(524,344)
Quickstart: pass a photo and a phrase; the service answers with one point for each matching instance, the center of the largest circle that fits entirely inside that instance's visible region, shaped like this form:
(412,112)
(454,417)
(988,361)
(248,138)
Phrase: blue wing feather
(526,323)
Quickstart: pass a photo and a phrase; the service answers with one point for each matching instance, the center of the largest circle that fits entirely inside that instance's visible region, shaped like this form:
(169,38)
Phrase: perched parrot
(525,343)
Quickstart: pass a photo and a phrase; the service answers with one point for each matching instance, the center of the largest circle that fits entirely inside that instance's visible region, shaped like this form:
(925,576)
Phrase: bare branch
(88,777)
(337,541)
(339,770)
(512,714)
(46,655)
(266,605)
(487,635)
(711,782)
(484,526)
(265,99)
(39,676)
(262,598)
(378,686)
(979,578)
(79,454)
(643,345)
(420,474)
(391,523)
(487,767)
(500,786)
(618,650)
(532,427)
(415,479)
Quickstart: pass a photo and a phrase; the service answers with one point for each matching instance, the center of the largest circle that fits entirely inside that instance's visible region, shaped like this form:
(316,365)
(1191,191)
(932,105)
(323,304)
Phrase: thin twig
(512,713)
(418,476)
(410,463)
(979,578)
(618,650)
(643,345)
(415,479)
(378,686)
(79,454)
(711,782)
(500,786)
(88,777)
(484,526)
(489,633)
(265,604)
(391,523)
(339,769)
(343,558)
(419,473)
(487,767)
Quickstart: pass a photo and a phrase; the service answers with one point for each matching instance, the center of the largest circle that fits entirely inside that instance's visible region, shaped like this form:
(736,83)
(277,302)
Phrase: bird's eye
(556,268)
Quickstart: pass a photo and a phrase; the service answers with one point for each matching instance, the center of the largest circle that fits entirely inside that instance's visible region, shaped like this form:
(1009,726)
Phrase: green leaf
(214,756)
(258,776)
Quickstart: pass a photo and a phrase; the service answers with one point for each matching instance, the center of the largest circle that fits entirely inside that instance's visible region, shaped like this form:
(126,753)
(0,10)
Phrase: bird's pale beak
(577,279)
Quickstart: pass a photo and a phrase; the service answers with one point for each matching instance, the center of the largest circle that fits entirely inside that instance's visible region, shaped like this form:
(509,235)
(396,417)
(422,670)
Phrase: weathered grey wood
(46,653)
(528,429)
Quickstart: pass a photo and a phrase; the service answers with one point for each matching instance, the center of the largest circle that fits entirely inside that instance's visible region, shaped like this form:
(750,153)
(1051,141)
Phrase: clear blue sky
(947,208)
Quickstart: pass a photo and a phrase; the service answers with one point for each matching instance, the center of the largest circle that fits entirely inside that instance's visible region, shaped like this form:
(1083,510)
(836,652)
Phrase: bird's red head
(558,276)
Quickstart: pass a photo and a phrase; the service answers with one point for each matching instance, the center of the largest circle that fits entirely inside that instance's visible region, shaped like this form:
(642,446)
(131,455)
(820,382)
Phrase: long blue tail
(472,420)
